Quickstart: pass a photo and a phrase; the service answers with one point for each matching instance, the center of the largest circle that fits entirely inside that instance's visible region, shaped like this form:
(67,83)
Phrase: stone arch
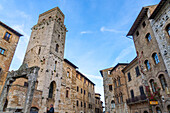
(34,110)
(165,28)
(158,109)
(112,104)
(168,108)
(6,104)
(145,112)
(52,88)
(20,81)
(68,72)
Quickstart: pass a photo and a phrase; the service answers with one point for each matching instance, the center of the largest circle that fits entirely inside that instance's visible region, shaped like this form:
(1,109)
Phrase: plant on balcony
(153,96)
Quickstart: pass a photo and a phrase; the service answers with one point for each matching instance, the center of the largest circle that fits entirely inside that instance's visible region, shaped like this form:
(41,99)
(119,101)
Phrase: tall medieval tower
(46,50)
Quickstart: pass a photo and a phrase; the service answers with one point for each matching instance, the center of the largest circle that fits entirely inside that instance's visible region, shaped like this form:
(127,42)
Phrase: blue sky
(96,37)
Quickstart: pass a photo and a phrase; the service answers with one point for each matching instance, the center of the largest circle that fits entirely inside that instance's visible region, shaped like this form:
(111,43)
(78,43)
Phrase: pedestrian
(51,110)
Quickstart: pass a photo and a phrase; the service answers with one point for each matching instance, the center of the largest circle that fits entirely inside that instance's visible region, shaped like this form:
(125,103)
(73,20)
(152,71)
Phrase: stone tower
(46,50)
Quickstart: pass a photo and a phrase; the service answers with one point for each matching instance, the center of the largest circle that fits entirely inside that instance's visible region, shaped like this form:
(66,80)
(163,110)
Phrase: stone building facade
(108,92)
(160,24)
(150,58)
(119,87)
(150,69)
(115,90)
(98,104)
(59,82)
(137,100)
(8,42)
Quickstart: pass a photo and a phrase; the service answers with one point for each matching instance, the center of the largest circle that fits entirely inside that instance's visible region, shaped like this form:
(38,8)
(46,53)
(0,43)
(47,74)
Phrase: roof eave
(137,21)
(160,5)
(11,29)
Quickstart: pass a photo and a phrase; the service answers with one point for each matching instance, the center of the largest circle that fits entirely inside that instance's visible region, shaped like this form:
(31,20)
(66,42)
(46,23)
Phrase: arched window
(168,107)
(158,110)
(113,104)
(51,93)
(57,48)
(55,65)
(34,110)
(148,37)
(39,51)
(152,85)
(132,93)
(137,33)
(77,89)
(147,65)
(141,90)
(68,73)
(77,103)
(121,97)
(119,83)
(145,112)
(115,83)
(81,104)
(67,93)
(155,58)
(168,29)
(162,81)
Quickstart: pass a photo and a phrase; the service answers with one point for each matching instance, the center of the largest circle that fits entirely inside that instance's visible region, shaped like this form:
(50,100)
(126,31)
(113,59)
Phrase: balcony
(136,99)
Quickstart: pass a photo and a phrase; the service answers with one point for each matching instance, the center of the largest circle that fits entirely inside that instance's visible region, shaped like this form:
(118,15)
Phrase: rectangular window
(26,84)
(2,51)
(66,93)
(84,105)
(81,90)
(110,87)
(81,104)
(7,36)
(141,90)
(55,65)
(84,92)
(77,89)
(129,77)
(137,71)
(132,93)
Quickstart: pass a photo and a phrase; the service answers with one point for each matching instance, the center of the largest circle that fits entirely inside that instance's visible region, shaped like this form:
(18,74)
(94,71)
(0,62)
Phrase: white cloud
(1,8)
(85,32)
(103,29)
(22,43)
(123,54)
(22,14)
(94,77)
(20,28)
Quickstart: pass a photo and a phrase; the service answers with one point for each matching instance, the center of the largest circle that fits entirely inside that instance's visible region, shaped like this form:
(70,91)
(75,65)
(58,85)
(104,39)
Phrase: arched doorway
(158,110)
(5,106)
(52,88)
(145,112)
(168,107)
(34,110)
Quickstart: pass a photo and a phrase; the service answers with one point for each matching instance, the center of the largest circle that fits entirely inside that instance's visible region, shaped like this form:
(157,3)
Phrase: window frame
(155,58)
(110,87)
(163,81)
(148,37)
(9,38)
(168,29)
(2,51)
(132,93)
(152,83)
(147,65)
(129,76)
(137,71)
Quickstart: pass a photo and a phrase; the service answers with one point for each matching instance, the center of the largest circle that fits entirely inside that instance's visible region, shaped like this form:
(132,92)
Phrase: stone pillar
(5,91)
(32,77)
